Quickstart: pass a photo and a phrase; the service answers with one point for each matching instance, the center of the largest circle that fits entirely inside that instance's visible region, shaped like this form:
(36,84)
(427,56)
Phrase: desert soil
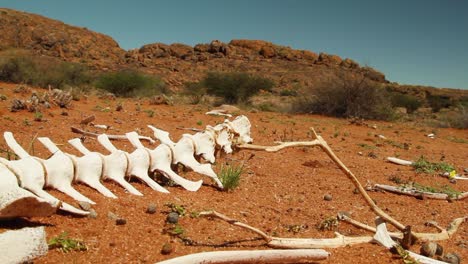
(277,192)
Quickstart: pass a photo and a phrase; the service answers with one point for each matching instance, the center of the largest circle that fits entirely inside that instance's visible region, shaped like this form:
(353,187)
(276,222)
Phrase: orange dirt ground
(277,190)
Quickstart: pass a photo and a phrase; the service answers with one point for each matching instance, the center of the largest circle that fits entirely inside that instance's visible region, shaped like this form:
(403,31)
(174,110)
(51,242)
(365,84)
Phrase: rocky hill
(178,63)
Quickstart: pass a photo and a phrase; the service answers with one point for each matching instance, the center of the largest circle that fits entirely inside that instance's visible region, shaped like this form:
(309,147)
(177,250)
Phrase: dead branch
(251,256)
(294,243)
(420,194)
(115,137)
(319,141)
(444,234)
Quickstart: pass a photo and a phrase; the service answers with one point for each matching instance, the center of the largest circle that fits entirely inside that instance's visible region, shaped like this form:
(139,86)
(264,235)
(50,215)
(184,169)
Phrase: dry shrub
(348,96)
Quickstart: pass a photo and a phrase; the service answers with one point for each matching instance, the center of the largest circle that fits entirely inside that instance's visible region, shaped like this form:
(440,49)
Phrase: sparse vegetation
(233,87)
(21,67)
(329,223)
(446,189)
(229,175)
(422,165)
(66,244)
(177,208)
(130,83)
(411,103)
(348,97)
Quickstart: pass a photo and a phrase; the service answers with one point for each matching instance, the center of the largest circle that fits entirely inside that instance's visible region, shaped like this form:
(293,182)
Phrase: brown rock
(267,51)
(328,59)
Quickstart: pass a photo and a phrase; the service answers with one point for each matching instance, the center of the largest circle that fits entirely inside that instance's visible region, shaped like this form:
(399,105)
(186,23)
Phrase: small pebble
(172,218)
(112,216)
(120,221)
(85,206)
(92,214)
(356,191)
(151,209)
(166,249)
(327,197)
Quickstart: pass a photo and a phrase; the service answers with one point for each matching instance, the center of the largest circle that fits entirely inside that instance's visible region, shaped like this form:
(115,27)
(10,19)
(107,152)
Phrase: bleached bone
(138,160)
(223,137)
(119,137)
(160,160)
(17,202)
(251,256)
(204,145)
(88,170)
(183,152)
(31,174)
(241,126)
(218,112)
(60,171)
(23,245)
(420,194)
(383,238)
(162,136)
(400,161)
(114,166)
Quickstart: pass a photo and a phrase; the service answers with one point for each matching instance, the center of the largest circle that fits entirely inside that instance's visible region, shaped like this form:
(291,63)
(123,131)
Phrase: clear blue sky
(412,41)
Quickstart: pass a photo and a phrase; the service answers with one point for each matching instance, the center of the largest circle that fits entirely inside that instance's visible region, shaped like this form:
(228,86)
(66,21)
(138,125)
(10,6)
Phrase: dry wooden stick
(319,141)
(116,137)
(294,243)
(420,194)
(251,256)
(444,234)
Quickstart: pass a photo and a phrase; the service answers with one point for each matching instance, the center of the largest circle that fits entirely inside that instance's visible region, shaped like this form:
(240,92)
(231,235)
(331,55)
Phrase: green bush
(235,87)
(437,102)
(229,176)
(411,103)
(41,71)
(130,83)
(348,97)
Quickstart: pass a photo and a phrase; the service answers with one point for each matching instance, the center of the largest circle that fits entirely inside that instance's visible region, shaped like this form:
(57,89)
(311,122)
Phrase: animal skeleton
(61,170)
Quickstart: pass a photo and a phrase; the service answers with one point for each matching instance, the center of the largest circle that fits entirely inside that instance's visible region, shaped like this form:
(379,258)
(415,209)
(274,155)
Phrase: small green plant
(66,244)
(458,140)
(199,122)
(229,176)
(149,112)
(296,228)
(26,122)
(178,230)
(407,259)
(452,193)
(38,116)
(424,166)
(396,180)
(364,145)
(329,223)
(179,209)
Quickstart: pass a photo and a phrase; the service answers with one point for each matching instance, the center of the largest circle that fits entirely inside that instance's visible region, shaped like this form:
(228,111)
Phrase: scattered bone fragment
(17,202)
(400,161)
(117,137)
(88,120)
(383,238)
(410,191)
(105,127)
(252,256)
(23,245)
(218,112)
